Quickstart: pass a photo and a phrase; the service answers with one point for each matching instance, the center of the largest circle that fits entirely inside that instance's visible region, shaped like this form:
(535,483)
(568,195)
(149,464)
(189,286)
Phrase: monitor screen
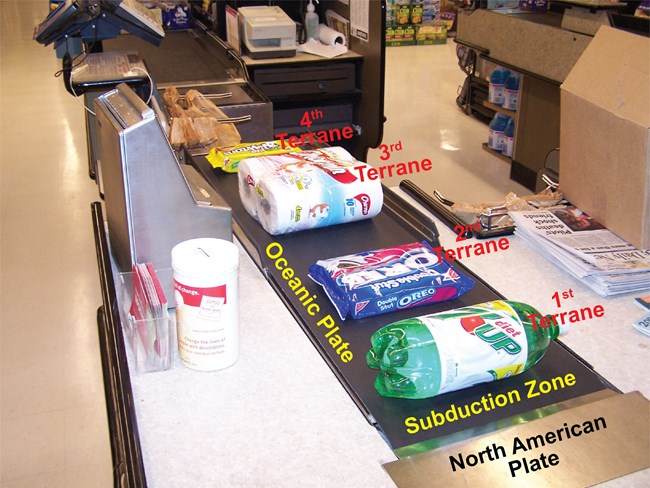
(99,20)
(135,18)
(60,22)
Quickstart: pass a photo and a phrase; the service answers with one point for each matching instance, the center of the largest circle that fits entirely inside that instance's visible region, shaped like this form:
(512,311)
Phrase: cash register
(267,32)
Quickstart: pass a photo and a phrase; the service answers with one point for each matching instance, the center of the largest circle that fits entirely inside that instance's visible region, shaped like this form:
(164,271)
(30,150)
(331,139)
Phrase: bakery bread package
(199,124)
(308,189)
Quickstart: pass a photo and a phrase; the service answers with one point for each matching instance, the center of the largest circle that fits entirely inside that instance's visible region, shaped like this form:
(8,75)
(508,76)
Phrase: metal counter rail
(128,466)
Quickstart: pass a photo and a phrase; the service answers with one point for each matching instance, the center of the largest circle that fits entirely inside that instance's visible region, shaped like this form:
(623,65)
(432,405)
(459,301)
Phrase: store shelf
(500,109)
(477,93)
(496,153)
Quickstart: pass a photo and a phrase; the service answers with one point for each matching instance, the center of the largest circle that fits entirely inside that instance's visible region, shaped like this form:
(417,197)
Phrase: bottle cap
(557,329)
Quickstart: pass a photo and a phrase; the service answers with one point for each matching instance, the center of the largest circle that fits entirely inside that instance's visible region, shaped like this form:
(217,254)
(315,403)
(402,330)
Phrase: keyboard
(133,11)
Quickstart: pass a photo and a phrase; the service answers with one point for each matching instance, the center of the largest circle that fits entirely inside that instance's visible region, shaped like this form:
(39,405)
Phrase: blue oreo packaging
(385,280)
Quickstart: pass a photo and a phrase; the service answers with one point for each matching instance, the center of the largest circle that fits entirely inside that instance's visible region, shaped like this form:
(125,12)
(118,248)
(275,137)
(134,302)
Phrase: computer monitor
(134,18)
(67,18)
(95,21)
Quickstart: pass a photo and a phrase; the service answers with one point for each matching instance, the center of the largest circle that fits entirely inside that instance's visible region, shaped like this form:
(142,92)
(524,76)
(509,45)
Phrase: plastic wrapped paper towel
(298,191)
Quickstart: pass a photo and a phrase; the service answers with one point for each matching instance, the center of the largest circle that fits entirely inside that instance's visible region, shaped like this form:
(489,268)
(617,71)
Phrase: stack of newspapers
(578,244)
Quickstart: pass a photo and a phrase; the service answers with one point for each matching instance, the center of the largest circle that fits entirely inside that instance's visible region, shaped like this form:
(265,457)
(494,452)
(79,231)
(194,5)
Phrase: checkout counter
(290,412)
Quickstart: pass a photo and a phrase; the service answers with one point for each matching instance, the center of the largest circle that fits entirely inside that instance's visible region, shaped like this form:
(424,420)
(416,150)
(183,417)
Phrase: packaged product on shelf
(508,138)
(390,12)
(416,13)
(432,33)
(497,86)
(402,11)
(398,33)
(404,35)
(497,130)
(511,92)
(434,354)
(308,189)
(430,9)
(390,34)
(385,280)
(409,34)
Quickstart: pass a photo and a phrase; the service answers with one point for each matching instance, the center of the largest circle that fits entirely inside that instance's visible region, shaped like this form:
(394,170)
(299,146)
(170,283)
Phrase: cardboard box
(605,134)
(390,33)
(403,35)
(431,33)
(176,16)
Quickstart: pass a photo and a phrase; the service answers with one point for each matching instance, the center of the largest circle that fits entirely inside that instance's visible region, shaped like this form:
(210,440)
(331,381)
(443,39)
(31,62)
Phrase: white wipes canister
(207,303)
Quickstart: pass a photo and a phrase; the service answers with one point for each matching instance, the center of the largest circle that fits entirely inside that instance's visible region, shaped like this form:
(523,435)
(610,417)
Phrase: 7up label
(478,344)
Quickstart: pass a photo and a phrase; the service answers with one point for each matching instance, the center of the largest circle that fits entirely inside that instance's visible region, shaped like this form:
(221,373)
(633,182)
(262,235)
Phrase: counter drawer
(306,80)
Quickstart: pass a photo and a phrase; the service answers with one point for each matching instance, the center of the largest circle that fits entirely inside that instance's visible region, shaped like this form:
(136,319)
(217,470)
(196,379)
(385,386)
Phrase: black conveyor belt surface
(183,56)
(302,249)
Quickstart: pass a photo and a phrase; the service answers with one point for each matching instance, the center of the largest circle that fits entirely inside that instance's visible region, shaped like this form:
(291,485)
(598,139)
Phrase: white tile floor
(54,428)
(421,88)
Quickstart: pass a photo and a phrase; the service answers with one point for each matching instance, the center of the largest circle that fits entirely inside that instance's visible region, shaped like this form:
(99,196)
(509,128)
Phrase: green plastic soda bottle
(433,354)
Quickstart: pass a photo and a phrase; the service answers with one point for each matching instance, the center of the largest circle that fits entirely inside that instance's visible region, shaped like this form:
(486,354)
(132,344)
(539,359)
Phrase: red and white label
(195,296)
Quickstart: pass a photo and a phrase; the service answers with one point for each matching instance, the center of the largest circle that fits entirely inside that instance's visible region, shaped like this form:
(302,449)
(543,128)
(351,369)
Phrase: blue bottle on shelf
(497,130)
(511,92)
(509,138)
(496,90)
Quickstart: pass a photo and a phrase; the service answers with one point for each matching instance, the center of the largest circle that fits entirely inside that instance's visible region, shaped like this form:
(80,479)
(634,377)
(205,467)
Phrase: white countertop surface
(280,418)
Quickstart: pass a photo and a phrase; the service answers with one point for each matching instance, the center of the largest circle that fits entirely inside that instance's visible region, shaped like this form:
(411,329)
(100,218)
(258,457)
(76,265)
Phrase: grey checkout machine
(153,198)
(152,201)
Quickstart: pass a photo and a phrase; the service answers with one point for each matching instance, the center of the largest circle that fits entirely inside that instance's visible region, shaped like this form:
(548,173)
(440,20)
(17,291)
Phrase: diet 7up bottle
(434,354)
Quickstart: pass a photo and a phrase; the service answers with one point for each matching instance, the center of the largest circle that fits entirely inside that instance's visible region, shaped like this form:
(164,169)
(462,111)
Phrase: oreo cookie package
(385,280)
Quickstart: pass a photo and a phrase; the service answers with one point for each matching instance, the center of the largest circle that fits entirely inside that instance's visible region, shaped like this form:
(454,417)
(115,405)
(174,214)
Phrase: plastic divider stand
(398,223)
(151,340)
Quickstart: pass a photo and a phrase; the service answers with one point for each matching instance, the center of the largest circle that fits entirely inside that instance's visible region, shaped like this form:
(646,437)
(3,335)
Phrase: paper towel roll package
(292,192)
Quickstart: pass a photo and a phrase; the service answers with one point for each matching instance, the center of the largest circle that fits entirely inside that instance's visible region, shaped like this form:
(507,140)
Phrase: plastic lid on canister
(205,256)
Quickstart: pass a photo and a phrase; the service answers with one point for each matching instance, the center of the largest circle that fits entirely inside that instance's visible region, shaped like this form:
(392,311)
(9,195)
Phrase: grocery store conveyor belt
(184,57)
(403,423)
